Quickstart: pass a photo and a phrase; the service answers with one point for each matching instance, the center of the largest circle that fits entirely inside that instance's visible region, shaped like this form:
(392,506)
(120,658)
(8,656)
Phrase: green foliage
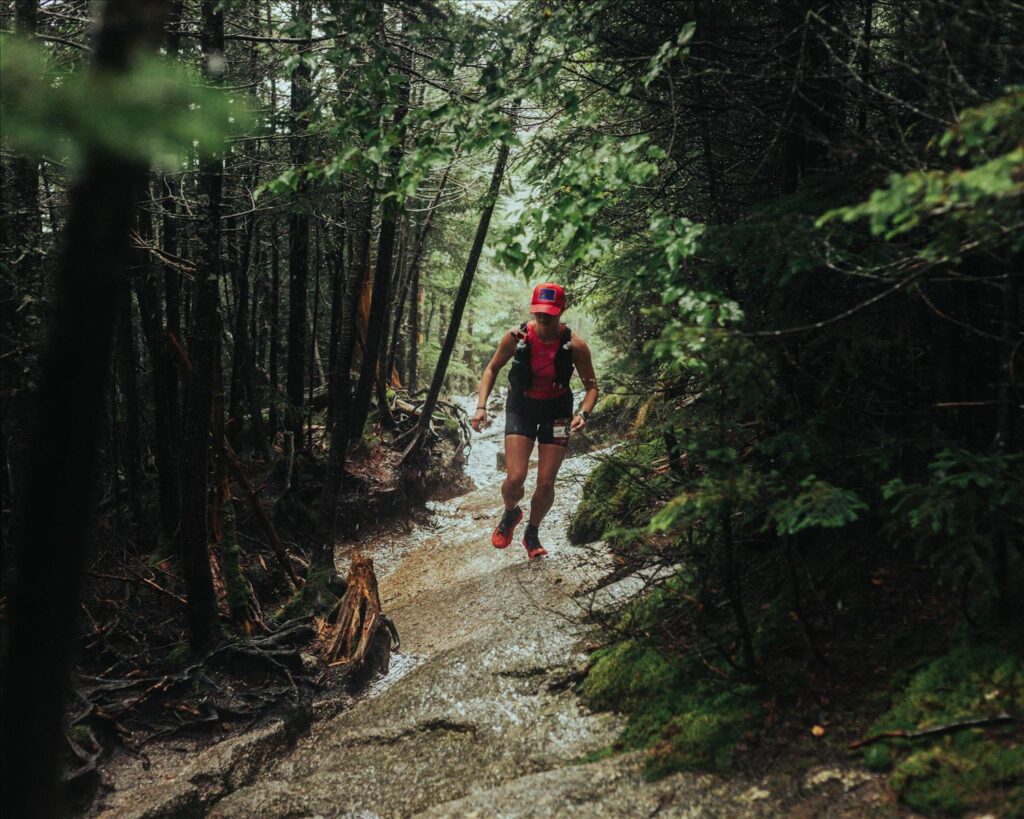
(954,517)
(819,504)
(967,770)
(155,113)
(979,204)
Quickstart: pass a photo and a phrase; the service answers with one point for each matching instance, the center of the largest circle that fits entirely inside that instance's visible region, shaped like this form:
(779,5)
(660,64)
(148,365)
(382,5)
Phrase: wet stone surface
(474,718)
(484,633)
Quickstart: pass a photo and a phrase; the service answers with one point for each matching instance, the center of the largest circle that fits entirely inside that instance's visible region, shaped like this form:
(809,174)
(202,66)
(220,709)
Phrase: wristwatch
(584,414)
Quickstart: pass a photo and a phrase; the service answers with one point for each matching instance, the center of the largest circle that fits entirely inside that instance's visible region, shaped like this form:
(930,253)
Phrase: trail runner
(544,353)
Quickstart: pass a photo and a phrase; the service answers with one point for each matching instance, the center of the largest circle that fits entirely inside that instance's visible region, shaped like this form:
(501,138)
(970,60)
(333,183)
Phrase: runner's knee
(546,485)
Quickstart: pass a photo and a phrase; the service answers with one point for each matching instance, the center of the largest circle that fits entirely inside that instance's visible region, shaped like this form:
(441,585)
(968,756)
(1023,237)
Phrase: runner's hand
(577,423)
(480,421)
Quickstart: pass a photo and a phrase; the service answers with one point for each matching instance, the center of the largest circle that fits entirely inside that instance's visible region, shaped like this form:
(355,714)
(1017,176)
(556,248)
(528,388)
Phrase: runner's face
(546,321)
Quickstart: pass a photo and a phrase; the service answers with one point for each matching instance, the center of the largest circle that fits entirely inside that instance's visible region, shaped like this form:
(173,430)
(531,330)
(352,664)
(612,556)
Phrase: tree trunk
(414,268)
(412,359)
(381,280)
(204,347)
(337,307)
(275,337)
(461,297)
(22,260)
(127,356)
(164,380)
(340,396)
(298,240)
(52,546)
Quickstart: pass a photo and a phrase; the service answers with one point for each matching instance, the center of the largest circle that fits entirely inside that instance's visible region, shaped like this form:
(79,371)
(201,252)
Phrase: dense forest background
(241,237)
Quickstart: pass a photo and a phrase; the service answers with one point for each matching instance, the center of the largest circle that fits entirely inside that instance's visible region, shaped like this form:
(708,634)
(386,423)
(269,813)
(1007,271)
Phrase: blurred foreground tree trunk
(56,505)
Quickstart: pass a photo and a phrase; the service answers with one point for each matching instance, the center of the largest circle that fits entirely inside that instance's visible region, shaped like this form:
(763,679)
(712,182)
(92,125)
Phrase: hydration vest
(519,375)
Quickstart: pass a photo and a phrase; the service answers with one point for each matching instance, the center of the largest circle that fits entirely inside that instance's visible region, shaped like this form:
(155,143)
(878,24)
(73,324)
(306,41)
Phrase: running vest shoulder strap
(563,358)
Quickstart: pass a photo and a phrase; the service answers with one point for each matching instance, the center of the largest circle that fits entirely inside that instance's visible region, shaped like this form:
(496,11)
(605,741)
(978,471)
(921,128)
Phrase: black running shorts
(540,419)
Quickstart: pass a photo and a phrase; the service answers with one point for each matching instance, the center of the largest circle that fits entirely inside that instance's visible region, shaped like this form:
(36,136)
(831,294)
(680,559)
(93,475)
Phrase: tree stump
(359,639)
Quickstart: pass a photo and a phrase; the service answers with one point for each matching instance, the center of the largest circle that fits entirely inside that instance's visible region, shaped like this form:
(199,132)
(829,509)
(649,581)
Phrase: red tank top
(542,366)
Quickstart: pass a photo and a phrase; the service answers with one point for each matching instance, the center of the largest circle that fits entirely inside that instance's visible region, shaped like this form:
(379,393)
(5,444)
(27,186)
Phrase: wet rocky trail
(477,716)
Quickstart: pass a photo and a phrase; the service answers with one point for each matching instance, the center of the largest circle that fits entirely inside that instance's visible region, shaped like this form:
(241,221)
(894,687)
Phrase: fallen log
(359,637)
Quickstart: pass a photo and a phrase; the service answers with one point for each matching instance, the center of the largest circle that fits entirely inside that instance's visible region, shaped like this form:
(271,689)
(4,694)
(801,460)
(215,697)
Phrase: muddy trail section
(477,715)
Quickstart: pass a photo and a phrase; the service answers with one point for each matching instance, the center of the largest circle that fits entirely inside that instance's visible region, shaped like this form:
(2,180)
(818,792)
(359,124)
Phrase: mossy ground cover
(886,642)
(620,494)
(688,723)
(968,770)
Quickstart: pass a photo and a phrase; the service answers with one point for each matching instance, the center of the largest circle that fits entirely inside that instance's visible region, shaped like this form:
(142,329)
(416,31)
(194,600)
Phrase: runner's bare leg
(551,457)
(518,449)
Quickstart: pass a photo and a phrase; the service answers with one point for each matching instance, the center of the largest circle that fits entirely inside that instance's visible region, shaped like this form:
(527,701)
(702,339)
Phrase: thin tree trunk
(1006,405)
(461,297)
(298,241)
(127,356)
(413,267)
(22,260)
(164,412)
(57,504)
(412,360)
(204,346)
(381,281)
(275,337)
(337,307)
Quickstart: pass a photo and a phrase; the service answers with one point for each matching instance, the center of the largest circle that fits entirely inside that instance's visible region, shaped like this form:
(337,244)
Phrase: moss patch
(319,594)
(687,723)
(619,494)
(971,769)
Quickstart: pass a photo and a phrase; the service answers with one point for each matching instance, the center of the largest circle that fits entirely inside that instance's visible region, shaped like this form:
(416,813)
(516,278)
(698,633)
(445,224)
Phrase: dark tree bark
(164,381)
(204,347)
(274,323)
(413,271)
(461,297)
(52,546)
(127,356)
(340,395)
(22,260)
(412,359)
(243,379)
(172,292)
(381,282)
(298,241)
(337,307)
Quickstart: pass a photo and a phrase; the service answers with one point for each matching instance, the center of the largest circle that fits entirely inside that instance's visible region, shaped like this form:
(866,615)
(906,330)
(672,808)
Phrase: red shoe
(532,544)
(502,536)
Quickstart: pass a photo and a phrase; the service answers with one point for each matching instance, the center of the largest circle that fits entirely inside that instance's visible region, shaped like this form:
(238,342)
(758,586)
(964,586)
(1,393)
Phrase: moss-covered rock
(968,770)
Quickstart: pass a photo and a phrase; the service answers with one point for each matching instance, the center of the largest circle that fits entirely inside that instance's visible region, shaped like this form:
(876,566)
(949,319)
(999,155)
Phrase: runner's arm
(585,368)
(506,349)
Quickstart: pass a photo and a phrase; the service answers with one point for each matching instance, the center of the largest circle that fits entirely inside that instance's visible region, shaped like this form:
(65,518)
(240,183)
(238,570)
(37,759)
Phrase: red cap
(548,298)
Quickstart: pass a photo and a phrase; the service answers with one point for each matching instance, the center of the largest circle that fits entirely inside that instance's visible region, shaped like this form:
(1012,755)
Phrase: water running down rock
(476,716)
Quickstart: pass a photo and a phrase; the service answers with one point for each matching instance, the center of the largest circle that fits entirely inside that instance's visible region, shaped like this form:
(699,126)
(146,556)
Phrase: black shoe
(531,541)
